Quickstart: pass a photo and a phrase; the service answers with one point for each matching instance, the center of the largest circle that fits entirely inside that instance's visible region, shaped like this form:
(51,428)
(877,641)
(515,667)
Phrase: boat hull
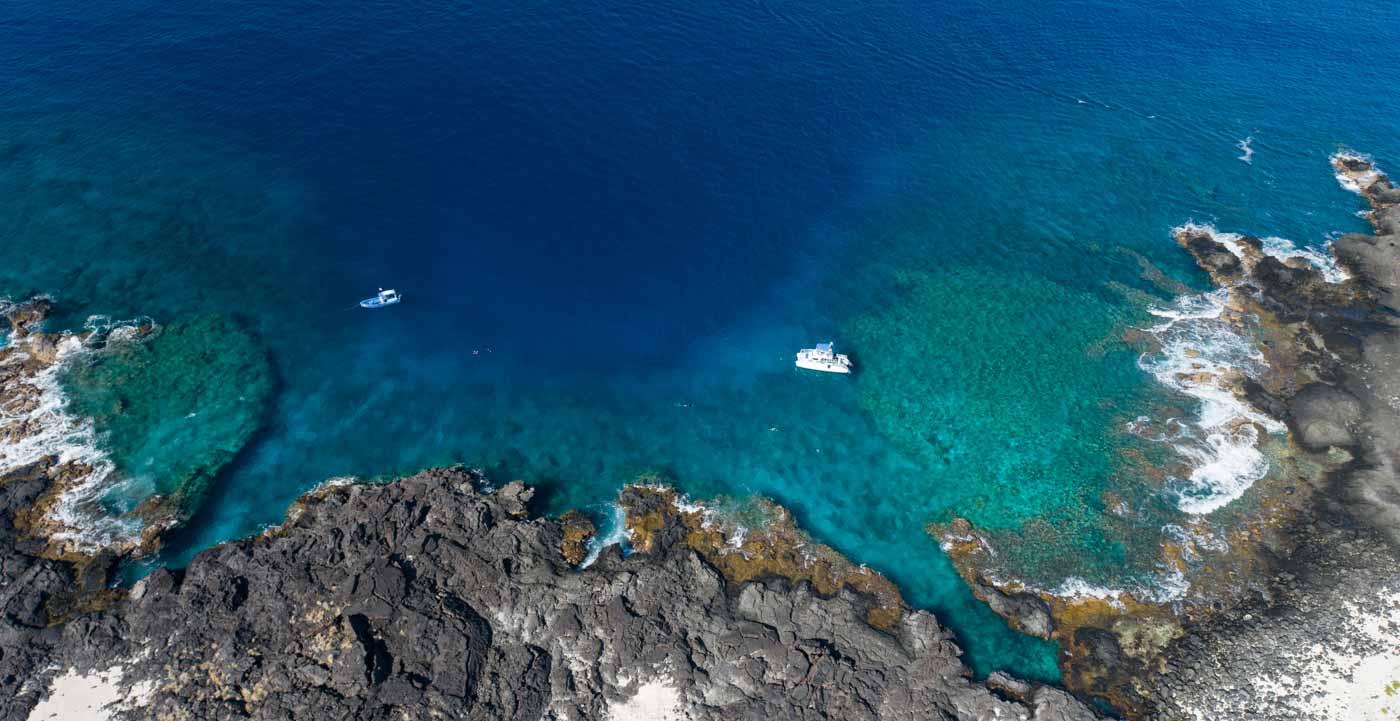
(377,303)
(823,366)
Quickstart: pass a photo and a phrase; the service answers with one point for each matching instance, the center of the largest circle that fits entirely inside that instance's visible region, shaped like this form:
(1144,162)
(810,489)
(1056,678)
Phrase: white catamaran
(823,358)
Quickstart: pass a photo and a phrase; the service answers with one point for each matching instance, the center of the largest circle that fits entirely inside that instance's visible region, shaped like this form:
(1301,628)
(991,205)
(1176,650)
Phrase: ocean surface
(614,223)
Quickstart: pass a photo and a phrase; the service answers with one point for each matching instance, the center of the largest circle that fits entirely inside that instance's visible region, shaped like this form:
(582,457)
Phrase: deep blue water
(614,223)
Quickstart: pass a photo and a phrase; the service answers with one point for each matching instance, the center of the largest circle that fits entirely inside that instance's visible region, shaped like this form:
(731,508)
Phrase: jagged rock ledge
(428,598)
(77,409)
(774,548)
(1301,618)
(41,440)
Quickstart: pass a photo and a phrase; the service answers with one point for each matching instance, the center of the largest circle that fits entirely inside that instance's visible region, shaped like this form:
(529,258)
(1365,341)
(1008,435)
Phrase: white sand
(89,697)
(655,700)
(1333,680)
(1374,693)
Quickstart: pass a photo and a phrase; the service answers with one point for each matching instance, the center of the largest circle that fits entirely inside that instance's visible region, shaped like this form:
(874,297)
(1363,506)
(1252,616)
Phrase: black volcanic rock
(1320,640)
(424,598)
(29,587)
(1214,257)
(1324,416)
(1027,612)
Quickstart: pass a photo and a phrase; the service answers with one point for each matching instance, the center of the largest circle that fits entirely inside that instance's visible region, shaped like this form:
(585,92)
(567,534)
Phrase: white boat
(385,297)
(823,358)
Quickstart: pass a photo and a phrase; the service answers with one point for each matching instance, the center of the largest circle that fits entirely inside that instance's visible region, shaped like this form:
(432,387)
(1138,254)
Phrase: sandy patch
(1353,676)
(1374,692)
(93,696)
(655,700)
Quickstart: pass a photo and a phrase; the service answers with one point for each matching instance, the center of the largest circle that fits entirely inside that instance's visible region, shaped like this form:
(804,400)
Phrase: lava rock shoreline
(1300,618)
(1321,637)
(425,597)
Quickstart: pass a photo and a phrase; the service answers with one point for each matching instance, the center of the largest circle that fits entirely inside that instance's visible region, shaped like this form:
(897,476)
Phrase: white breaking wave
(1229,240)
(1326,263)
(1360,181)
(1244,147)
(1202,353)
(616,535)
(1167,585)
(1076,587)
(104,329)
(49,430)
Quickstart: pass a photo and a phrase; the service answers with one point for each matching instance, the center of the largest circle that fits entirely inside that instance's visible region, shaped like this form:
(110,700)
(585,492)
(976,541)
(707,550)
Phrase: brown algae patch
(1114,640)
(578,531)
(768,544)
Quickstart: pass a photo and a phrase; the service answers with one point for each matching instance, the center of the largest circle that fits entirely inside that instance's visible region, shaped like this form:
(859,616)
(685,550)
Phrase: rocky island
(436,596)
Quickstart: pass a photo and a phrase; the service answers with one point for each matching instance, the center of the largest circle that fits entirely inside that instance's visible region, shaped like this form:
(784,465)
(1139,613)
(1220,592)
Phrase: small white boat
(823,358)
(385,297)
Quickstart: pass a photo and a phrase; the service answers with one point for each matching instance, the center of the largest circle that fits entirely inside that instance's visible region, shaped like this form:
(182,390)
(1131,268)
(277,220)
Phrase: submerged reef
(127,421)
(1016,436)
(1290,607)
(426,597)
(176,407)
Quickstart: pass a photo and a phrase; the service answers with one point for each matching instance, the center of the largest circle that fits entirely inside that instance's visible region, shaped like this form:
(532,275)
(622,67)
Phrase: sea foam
(1326,263)
(39,408)
(1165,586)
(1355,182)
(1203,351)
(1247,150)
(616,535)
(1200,355)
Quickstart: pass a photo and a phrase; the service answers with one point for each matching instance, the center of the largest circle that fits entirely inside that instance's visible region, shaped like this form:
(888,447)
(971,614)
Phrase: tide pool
(613,225)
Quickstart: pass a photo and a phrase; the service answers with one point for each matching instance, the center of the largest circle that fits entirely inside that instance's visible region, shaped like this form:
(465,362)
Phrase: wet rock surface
(1299,618)
(1322,639)
(33,590)
(426,598)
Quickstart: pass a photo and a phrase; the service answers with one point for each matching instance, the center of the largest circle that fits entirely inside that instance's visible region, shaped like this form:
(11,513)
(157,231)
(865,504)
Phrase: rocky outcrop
(1300,617)
(34,592)
(80,407)
(1322,645)
(427,598)
(774,548)
(1322,640)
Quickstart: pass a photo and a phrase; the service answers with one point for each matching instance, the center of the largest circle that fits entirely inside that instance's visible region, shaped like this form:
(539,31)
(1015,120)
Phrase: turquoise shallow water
(613,226)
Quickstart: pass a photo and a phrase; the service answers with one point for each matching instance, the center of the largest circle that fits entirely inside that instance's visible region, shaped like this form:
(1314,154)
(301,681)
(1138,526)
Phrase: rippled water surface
(613,224)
